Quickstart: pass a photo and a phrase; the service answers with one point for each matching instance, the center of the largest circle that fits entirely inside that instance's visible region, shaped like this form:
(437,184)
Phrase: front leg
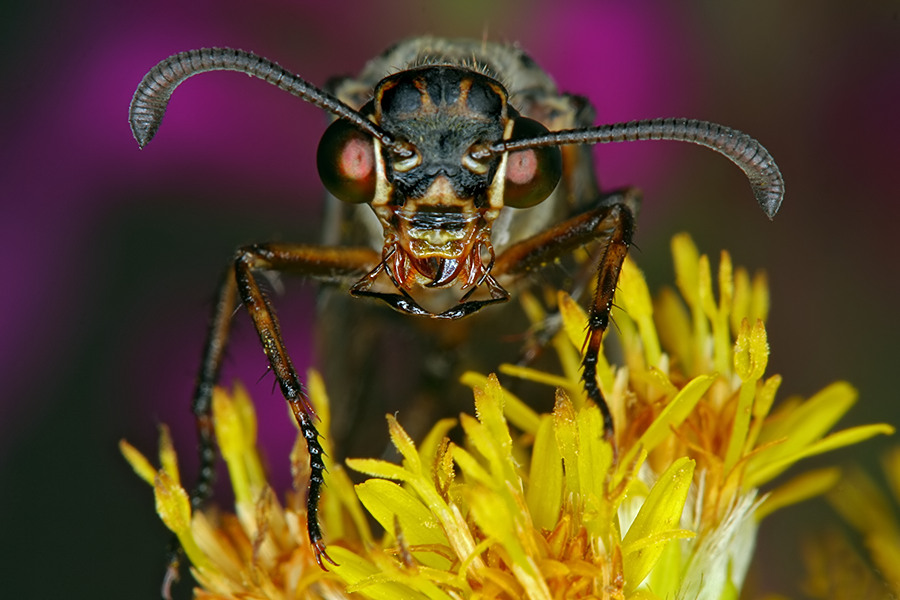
(611,223)
(320,263)
(324,264)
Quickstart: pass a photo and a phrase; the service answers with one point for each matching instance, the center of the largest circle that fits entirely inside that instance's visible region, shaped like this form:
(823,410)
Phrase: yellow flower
(260,550)
(542,506)
(836,571)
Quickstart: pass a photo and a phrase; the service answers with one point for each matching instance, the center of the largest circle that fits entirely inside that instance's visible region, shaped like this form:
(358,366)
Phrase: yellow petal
(718,315)
(493,516)
(674,326)
(594,456)
(172,504)
(246,414)
(386,500)
(766,471)
(862,504)
(656,523)
(796,425)
(404,445)
(243,407)
(545,489)
(885,552)
(740,305)
(665,578)
(138,462)
(671,416)
(634,297)
(574,319)
(168,460)
(469,465)
(532,308)
(318,396)
(429,447)
(726,282)
(174,508)
(759,305)
(566,432)
(492,439)
(362,576)
(802,487)
(892,470)
(519,414)
(810,420)
(379,468)
(535,375)
(686,258)
(233,444)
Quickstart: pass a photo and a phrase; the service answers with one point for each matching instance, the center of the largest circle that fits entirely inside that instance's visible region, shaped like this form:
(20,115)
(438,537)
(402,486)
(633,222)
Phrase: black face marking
(484,100)
(402,98)
(442,111)
(442,85)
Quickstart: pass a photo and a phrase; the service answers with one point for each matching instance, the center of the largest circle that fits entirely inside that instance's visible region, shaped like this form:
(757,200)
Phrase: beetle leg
(611,223)
(319,263)
(210,367)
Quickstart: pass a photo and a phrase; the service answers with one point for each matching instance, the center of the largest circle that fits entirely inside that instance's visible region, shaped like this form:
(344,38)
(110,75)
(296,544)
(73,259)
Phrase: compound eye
(346,162)
(532,173)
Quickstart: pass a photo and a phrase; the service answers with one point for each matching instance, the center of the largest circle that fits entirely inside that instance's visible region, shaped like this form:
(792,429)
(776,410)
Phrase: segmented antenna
(153,93)
(744,151)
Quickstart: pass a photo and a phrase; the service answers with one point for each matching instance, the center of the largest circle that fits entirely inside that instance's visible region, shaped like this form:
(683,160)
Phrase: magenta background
(112,253)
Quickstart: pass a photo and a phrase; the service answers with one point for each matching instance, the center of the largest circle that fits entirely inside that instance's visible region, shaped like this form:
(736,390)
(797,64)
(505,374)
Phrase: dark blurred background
(112,253)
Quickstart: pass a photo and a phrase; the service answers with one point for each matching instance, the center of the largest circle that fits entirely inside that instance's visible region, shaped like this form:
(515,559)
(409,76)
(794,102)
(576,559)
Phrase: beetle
(465,171)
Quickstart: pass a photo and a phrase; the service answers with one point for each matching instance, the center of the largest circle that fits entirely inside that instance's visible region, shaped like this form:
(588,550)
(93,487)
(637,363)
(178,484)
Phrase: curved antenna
(153,93)
(744,151)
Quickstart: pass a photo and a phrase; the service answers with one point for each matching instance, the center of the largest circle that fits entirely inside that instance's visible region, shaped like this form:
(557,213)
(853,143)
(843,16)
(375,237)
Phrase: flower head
(541,505)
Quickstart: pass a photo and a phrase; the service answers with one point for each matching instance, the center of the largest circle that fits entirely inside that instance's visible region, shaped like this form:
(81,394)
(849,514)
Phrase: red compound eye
(357,160)
(346,162)
(521,167)
(531,174)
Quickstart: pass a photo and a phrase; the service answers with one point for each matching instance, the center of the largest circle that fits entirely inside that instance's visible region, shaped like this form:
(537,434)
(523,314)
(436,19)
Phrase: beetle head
(437,186)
